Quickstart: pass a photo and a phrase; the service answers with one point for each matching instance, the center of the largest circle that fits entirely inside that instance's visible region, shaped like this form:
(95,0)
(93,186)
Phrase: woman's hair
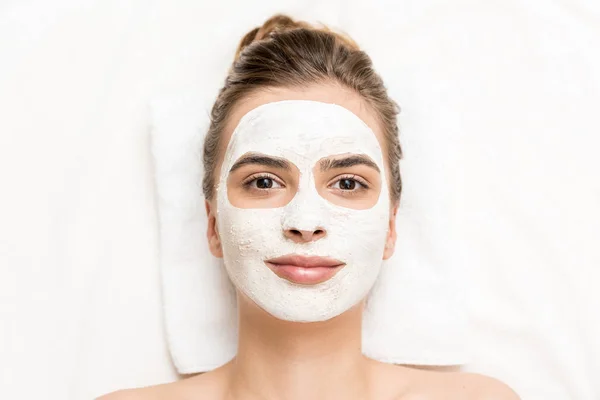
(288,53)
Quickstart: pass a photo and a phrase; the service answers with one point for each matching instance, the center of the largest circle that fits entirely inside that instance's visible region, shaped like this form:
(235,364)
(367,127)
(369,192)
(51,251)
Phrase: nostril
(304,236)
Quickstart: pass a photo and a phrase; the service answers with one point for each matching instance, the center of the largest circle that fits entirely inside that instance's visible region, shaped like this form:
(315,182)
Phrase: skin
(285,360)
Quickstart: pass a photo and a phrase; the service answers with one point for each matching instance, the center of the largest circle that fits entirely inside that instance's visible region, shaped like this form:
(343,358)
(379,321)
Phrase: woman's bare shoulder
(201,386)
(484,387)
(437,383)
(146,393)
(434,385)
(129,394)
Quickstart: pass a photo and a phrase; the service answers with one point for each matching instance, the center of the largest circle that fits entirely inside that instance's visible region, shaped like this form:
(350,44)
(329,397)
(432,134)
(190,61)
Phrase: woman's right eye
(263,183)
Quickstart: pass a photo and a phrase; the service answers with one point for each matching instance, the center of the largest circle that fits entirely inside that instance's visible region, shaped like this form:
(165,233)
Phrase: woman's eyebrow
(357,159)
(261,159)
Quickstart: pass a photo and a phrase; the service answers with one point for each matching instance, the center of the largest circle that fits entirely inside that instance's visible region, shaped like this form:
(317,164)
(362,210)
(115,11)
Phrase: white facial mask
(303,132)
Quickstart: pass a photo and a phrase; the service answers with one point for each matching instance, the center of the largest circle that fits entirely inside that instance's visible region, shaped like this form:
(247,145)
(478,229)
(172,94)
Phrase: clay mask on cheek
(303,132)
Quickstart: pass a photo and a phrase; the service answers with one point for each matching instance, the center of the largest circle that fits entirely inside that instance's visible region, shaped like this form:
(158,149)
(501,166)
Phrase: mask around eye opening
(303,132)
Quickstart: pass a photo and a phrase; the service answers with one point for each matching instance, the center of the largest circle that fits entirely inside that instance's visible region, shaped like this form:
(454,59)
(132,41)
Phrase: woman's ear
(212,234)
(390,242)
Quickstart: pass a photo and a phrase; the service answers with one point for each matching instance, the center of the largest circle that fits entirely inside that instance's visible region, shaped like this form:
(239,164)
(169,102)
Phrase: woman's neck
(297,361)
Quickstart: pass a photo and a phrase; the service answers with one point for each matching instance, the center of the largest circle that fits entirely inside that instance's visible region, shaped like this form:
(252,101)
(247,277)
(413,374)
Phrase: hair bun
(282,23)
(277,23)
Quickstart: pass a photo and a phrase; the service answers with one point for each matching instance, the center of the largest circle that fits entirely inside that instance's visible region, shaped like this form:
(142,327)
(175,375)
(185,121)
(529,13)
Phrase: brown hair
(287,53)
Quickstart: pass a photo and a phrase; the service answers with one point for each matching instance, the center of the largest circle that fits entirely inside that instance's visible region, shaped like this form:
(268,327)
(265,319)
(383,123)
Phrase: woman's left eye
(349,184)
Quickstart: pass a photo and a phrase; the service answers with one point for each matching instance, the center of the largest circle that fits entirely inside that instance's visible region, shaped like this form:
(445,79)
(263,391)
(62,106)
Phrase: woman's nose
(303,236)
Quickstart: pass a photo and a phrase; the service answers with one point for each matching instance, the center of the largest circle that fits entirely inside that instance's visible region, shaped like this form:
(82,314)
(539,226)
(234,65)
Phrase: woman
(302,184)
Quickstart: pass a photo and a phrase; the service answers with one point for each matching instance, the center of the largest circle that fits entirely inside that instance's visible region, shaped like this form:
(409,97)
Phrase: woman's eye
(264,183)
(348,184)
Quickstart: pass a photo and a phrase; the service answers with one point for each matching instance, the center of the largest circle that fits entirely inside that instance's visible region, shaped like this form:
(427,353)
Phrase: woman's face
(302,213)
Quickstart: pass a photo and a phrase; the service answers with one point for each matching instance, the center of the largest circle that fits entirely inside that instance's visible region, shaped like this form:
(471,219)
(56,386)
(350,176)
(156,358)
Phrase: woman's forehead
(332,94)
(303,131)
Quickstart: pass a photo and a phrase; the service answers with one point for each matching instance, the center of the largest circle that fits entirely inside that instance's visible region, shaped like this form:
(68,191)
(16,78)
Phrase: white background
(511,88)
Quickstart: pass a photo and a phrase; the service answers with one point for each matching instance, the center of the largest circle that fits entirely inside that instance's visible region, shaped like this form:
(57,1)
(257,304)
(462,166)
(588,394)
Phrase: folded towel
(414,314)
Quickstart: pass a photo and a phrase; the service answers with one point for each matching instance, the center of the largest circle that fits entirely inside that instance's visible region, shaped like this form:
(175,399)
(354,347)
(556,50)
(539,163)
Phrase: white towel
(414,315)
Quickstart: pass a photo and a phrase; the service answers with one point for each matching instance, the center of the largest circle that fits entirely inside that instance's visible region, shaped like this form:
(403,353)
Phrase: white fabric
(414,316)
(510,89)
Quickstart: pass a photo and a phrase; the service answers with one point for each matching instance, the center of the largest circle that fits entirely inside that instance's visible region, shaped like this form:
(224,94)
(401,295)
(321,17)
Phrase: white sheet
(511,88)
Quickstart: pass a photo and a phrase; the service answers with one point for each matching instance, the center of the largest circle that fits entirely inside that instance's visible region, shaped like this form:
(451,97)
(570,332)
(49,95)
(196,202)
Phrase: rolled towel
(414,314)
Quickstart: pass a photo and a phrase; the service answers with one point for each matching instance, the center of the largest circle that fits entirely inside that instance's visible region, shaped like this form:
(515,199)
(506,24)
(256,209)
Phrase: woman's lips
(304,270)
